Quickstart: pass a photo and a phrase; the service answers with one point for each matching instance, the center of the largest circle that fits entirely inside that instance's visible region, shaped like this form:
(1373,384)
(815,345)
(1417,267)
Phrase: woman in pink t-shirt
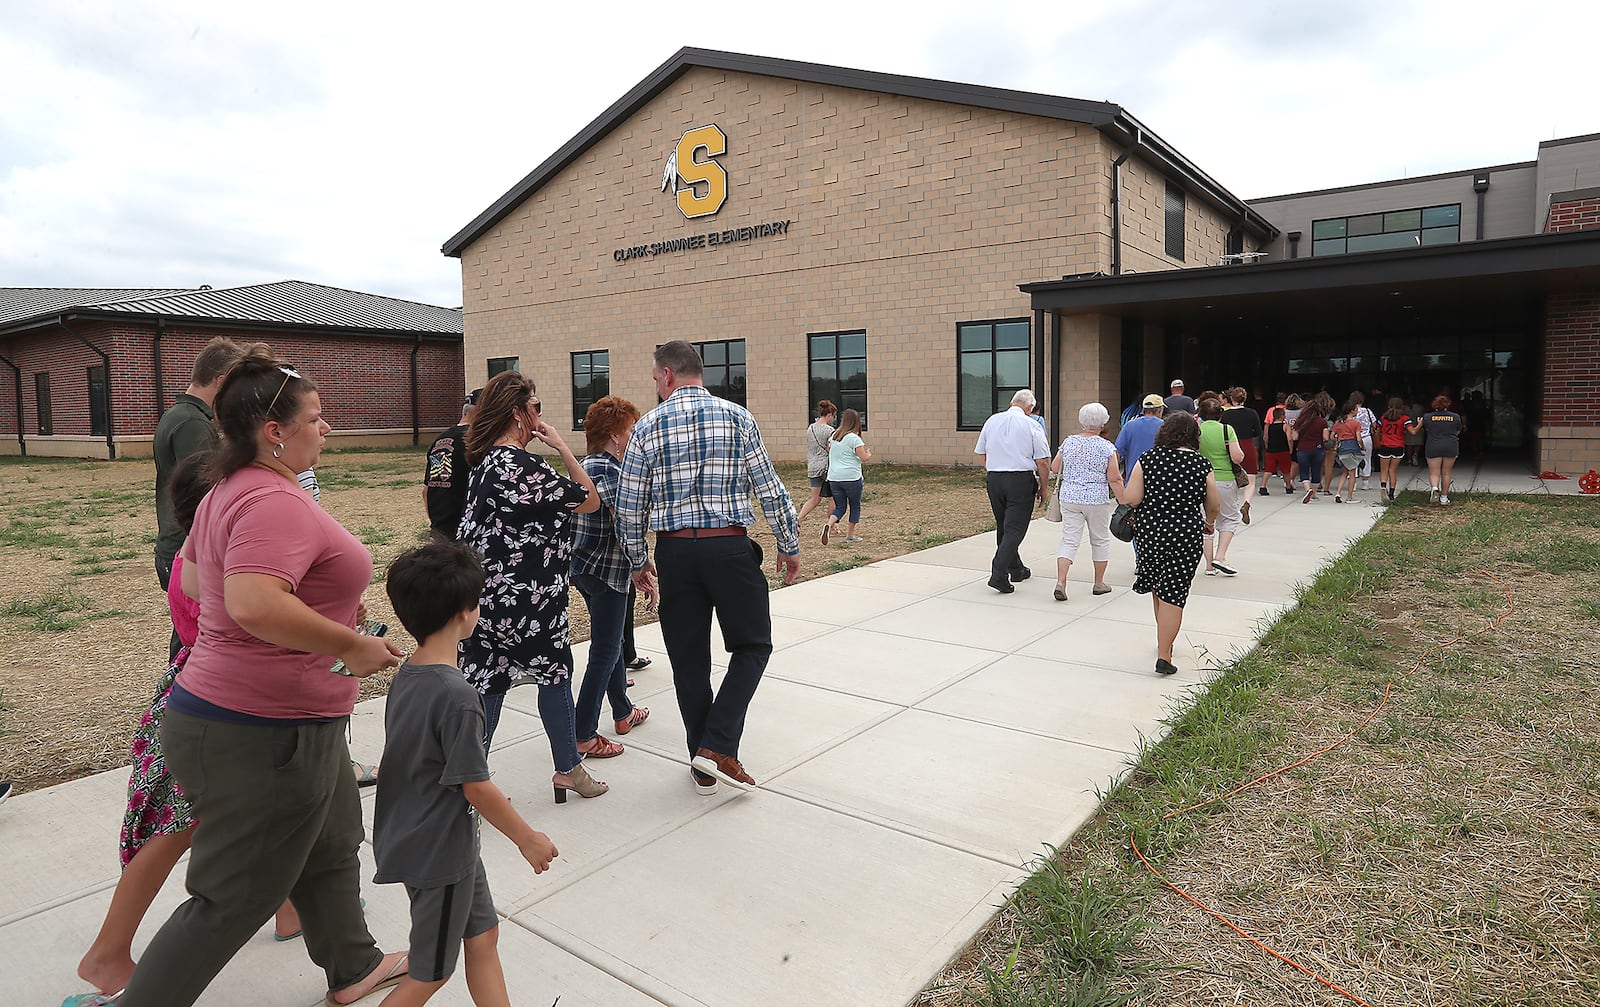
(254,731)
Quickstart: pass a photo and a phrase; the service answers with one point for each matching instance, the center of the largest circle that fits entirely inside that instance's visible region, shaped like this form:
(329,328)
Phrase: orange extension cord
(1510,607)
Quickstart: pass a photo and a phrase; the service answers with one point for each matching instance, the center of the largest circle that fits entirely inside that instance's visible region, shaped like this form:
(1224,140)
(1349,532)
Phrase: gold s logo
(682,173)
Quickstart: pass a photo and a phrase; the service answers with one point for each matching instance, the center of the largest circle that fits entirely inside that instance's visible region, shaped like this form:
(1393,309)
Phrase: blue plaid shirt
(595,549)
(696,461)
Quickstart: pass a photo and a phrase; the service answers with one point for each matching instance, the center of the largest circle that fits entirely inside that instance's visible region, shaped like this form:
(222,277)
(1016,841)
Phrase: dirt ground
(84,626)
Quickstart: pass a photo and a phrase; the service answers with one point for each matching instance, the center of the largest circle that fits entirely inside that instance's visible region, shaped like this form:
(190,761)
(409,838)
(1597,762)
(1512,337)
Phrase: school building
(918,249)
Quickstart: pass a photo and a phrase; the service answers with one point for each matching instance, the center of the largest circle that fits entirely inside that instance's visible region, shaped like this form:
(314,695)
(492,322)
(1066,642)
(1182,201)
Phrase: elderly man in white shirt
(1017,458)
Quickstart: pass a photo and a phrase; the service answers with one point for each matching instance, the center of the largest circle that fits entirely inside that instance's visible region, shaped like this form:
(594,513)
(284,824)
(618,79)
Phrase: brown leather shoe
(724,767)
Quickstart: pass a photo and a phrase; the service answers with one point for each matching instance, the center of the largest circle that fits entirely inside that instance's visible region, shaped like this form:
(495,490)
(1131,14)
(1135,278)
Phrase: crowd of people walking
(242,760)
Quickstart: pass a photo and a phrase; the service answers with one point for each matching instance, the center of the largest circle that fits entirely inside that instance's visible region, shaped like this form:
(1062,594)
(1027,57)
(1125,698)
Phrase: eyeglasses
(288,372)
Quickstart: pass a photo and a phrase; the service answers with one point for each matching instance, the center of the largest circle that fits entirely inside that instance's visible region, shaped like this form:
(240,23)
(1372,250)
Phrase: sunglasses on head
(288,372)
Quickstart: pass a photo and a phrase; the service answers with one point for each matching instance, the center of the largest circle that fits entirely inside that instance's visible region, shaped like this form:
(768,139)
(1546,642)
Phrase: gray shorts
(442,917)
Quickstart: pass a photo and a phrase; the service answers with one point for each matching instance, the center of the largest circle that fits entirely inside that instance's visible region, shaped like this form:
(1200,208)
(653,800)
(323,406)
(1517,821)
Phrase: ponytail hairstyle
(258,388)
(849,423)
(191,480)
(1397,409)
(505,398)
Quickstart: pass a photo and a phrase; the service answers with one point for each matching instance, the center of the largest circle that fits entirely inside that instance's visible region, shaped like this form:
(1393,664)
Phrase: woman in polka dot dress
(1170,485)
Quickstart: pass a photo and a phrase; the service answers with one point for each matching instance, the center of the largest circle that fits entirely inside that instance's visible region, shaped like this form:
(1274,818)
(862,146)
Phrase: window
(97,401)
(498,364)
(1175,223)
(724,368)
(993,362)
(839,371)
(1372,232)
(41,402)
(591,382)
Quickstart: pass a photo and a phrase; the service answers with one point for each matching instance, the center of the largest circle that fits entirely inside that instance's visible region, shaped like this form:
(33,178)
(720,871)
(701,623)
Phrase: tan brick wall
(1091,362)
(1571,451)
(907,217)
(1144,223)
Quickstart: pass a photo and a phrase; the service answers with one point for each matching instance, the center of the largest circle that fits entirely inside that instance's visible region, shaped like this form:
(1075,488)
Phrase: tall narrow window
(838,371)
(41,403)
(993,362)
(97,401)
(591,382)
(724,368)
(1175,222)
(498,364)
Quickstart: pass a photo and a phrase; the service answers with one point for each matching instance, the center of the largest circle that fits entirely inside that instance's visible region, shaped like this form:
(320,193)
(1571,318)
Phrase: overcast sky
(180,143)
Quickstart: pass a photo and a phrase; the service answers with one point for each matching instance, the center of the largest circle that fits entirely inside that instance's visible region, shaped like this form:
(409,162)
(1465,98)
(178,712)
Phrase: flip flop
(366,776)
(93,999)
(392,978)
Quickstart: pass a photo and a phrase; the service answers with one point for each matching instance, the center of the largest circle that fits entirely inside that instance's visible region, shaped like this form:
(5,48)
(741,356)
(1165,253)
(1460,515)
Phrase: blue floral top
(519,519)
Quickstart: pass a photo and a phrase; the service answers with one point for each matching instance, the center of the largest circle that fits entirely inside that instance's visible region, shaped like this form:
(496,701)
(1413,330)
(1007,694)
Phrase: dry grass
(83,626)
(1448,854)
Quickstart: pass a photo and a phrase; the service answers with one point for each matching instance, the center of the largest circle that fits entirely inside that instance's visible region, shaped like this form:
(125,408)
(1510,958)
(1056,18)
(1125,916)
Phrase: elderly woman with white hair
(1091,483)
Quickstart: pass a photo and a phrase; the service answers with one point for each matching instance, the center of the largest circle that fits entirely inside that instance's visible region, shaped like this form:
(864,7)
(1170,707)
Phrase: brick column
(1569,421)
(1091,368)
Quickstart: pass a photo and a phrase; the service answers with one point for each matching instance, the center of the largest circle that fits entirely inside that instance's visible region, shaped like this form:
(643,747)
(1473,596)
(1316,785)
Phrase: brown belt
(732,529)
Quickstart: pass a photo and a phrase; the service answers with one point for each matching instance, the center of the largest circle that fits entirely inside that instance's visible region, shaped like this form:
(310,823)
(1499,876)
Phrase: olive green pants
(279,817)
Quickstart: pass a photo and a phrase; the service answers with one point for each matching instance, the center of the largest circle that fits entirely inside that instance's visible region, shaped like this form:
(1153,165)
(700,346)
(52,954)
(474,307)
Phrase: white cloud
(176,143)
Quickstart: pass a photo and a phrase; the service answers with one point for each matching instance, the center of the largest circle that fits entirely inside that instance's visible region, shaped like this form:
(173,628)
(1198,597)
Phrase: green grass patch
(1073,933)
(35,534)
(56,611)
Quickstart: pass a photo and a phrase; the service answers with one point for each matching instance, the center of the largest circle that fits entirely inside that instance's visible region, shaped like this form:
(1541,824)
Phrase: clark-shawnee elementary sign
(708,239)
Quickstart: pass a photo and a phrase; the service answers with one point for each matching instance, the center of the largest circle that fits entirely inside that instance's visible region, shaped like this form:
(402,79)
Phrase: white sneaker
(1444,500)
(1366,484)
(1433,494)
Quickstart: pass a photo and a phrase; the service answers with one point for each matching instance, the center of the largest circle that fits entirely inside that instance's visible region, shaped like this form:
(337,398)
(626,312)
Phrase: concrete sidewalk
(918,738)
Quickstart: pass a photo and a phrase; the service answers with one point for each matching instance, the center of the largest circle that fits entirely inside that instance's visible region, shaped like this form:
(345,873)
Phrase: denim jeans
(555,712)
(1310,465)
(847,493)
(492,704)
(607,673)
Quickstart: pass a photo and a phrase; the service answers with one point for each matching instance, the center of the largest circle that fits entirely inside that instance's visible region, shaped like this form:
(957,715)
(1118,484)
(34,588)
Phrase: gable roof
(285,303)
(1110,119)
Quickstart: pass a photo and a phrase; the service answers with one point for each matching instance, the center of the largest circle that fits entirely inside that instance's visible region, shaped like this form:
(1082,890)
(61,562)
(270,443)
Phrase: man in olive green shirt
(183,430)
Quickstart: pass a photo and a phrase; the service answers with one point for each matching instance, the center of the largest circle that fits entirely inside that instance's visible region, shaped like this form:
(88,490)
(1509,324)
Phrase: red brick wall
(68,362)
(364,382)
(1577,215)
(1572,360)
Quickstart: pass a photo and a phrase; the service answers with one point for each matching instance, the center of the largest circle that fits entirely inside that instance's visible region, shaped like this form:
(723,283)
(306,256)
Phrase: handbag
(1052,507)
(1241,478)
(1124,522)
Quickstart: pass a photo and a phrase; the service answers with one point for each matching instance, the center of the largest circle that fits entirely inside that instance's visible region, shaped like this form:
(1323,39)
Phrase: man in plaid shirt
(693,465)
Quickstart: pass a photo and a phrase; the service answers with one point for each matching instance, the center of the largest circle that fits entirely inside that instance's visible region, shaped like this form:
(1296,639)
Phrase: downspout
(1116,204)
(416,418)
(1480,185)
(1038,360)
(105,364)
(1055,368)
(22,437)
(161,328)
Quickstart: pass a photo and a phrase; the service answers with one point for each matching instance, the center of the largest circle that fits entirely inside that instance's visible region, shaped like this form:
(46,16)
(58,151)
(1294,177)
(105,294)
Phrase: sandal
(639,715)
(396,973)
(600,747)
(93,999)
(639,664)
(366,776)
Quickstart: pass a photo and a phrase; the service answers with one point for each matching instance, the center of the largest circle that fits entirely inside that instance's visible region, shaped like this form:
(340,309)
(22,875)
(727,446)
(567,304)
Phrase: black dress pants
(699,577)
(1011,496)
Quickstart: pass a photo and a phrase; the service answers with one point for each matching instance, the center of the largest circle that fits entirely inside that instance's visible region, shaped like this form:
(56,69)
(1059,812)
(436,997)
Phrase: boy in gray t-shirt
(435,783)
